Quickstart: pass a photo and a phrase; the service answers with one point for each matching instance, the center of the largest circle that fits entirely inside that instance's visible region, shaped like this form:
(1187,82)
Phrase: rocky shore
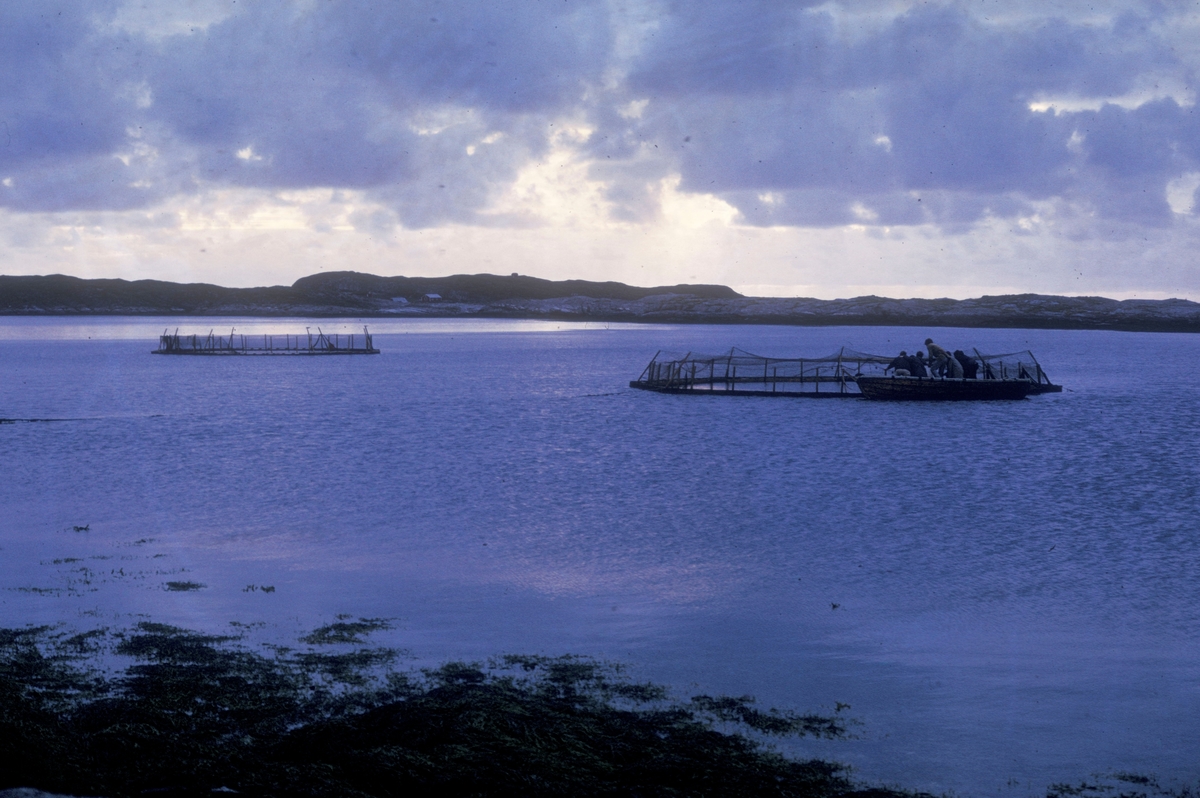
(520,297)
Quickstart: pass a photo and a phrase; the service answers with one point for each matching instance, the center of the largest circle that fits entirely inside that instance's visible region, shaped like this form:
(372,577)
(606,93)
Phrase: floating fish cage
(233,344)
(833,376)
(746,374)
(1016,366)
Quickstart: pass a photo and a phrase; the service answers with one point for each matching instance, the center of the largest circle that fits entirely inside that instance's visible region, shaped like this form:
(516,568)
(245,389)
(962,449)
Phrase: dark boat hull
(916,389)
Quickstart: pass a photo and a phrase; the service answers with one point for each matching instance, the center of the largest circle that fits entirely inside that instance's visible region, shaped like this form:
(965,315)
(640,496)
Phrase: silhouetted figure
(952,368)
(970,366)
(916,365)
(899,364)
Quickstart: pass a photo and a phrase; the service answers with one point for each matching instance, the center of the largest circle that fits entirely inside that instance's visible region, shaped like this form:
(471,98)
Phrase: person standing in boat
(969,365)
(938,357)
(953,368)
(900,364)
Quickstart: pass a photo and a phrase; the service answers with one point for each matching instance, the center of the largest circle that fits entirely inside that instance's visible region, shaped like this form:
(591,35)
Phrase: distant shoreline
(340,294)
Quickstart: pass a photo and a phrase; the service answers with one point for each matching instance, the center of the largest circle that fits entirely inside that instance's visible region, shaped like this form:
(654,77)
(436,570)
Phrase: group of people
(942,363)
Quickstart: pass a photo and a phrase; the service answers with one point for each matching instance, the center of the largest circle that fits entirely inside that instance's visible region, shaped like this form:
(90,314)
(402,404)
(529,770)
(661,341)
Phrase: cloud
(287,96)
(781,97)
(796,114)
(63,109)
(396,97)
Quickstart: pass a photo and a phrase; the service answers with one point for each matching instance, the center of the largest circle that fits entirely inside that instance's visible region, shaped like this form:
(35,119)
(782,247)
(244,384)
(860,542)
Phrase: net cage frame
(1012,366)
(694,371)
(697,371)
(234,344)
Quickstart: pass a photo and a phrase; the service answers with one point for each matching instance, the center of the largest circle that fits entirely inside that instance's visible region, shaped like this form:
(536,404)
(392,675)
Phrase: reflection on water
(1004,592)
(148,328)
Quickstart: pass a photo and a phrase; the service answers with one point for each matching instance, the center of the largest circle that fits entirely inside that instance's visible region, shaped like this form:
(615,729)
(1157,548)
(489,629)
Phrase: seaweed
(193,713)
(343,632)
(179,587)
(1120,784)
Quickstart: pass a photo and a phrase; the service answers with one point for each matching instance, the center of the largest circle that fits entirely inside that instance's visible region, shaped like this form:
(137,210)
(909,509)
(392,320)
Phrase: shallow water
(1016,583)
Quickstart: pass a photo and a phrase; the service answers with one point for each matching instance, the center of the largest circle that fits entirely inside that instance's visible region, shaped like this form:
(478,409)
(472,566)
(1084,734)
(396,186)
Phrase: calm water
(1018,584)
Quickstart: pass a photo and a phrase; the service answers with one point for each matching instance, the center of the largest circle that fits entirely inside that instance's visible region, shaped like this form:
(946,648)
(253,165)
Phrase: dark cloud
(65,102)
(510,57)
(780,99)
(1156,138)
(54,101)
(738,49)
(291,96)
(336,95)
(784,109)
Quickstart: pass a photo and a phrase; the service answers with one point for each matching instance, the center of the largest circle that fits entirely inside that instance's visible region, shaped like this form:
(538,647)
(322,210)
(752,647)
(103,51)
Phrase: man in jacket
(900,364)
(937,357)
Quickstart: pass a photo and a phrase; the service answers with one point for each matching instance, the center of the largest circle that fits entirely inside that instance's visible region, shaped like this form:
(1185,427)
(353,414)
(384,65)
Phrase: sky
(905,149)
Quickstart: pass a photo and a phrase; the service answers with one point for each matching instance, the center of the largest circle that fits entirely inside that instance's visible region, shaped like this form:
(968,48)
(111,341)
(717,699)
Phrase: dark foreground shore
(490,296)
(162,711)
(192,715)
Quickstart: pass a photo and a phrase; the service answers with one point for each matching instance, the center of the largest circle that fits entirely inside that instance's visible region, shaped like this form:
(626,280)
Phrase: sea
(1002,596)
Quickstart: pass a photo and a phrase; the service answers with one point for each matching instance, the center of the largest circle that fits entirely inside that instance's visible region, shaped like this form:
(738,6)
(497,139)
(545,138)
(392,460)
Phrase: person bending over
(938,357)
(899,365)
(916,365)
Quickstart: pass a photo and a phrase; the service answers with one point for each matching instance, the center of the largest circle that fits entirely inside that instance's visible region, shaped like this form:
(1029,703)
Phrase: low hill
(493,296)
(333,293)
(483,289)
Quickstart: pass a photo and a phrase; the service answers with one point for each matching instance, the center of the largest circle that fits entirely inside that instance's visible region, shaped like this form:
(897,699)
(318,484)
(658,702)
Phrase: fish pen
(1017,366)
(234,344)
(746,374)
(838,375)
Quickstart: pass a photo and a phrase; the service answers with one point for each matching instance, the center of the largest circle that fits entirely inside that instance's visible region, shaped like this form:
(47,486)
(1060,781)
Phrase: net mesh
(308,343)
(1012,366)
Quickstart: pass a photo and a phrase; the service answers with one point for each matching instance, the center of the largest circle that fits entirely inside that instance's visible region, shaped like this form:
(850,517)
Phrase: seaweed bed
(163,711)
(158,710)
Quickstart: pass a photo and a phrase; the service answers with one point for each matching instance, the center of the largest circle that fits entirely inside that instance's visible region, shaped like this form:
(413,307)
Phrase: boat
(844,374)
(941,389)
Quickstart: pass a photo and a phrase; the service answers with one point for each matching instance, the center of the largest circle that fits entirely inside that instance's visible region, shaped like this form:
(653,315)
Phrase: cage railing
(235,343)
